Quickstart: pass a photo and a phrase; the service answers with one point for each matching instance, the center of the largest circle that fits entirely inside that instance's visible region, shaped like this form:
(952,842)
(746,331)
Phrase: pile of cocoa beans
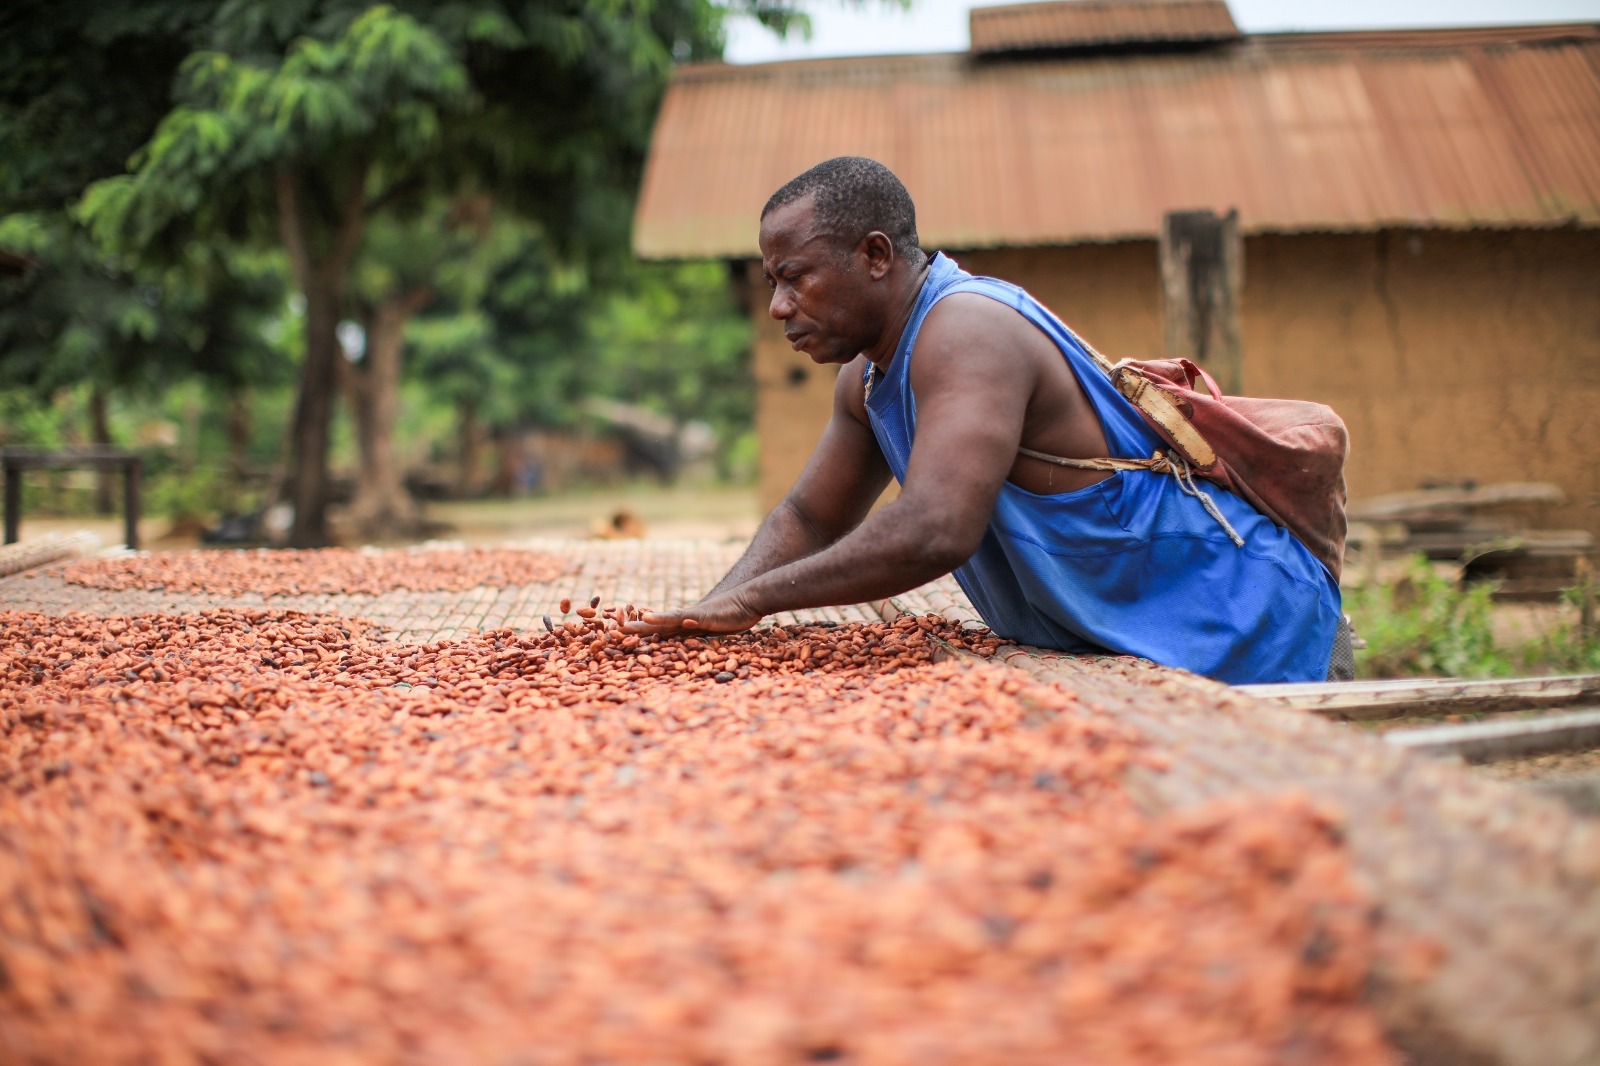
(246,836)
(317,572)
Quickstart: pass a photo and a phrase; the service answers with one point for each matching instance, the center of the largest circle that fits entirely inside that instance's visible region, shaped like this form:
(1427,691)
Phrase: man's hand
(725,612)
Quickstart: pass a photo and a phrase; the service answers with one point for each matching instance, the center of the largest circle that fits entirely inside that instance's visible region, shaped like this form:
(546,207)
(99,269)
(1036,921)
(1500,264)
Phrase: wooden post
(1586,583)
(130,502)
(100,437)
(13,476)
(1202,271)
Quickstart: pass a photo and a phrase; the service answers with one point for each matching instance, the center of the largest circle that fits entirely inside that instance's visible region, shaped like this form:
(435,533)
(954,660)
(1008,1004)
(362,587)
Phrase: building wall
(794,398)
(1451,356)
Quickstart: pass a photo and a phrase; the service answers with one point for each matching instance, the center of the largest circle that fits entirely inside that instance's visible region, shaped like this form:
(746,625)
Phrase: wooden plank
(1423,503)
(1491,741)
(1453,544)
(26,459)
(1530,589)
(1503,881)
(41,551)
(1369,700)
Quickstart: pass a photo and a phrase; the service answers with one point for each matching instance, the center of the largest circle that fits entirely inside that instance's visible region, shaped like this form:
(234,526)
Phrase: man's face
(821,290)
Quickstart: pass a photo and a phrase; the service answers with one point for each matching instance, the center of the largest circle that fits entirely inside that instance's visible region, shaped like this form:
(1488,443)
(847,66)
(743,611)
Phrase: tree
(518,337)
(403,266)
(75,100)
(320,117)
(81,316)
(502,344)
(302,131)
(83,83)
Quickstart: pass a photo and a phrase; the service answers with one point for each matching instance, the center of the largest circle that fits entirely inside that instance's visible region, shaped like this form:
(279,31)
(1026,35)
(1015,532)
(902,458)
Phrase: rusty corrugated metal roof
(1438,37)
(1098,23)
(1297,131)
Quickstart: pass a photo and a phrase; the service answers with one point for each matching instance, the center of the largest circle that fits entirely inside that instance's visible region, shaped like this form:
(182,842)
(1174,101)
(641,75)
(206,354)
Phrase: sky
(875,27)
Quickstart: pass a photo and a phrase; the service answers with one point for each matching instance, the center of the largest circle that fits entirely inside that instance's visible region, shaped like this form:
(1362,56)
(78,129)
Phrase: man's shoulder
(961,283)
(974,317)
(975,343)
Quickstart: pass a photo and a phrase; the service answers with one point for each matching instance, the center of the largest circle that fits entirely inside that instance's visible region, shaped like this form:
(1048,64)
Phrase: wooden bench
(13,461)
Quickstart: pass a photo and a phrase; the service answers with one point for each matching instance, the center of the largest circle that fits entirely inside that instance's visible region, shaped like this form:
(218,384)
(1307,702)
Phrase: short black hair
(854,196)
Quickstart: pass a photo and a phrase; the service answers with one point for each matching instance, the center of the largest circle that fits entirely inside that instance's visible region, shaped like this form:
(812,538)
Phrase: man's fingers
(651,623)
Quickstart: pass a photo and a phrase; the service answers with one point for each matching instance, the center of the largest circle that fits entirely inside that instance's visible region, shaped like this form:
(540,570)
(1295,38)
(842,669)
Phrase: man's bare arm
(783,536)
(840,482)
(972,393)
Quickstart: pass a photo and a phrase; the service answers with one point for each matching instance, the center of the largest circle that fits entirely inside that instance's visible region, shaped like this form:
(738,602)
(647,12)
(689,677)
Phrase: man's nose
(782,305)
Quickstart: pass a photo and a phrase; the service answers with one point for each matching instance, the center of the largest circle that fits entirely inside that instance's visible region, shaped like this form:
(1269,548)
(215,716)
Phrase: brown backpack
(1284,457)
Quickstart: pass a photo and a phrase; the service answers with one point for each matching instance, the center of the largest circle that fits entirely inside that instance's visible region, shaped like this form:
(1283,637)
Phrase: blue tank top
(1129,565)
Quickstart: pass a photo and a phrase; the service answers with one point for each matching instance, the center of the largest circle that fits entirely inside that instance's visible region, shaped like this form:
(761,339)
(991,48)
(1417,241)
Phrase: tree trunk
(322,280)
(355,385)
(100,437)
(189,457)
(312,413)
(383,509)
(239,428)
(467,436)
(237,424)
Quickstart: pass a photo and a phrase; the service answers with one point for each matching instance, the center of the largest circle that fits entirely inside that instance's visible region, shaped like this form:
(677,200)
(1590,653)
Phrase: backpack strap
(1157,406)
(1163,411)
(1160,463)
(1160,408)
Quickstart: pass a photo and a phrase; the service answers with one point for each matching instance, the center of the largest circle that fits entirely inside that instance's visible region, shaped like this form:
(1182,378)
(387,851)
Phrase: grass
(1424,624)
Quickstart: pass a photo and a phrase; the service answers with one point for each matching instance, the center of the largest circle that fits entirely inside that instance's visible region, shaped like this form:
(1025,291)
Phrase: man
(947,381)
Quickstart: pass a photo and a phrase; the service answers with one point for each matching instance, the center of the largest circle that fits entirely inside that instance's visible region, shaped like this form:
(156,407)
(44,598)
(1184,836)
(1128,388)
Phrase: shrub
(1426,625)
(1567,648)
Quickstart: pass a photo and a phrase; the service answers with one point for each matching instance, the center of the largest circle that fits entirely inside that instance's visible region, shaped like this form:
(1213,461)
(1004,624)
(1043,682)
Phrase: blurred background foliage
(321,251)
(1425,622)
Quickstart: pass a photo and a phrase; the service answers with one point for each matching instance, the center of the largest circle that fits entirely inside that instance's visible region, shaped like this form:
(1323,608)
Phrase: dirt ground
(1519,623)
(709,513)
(1561,766)
(716,512)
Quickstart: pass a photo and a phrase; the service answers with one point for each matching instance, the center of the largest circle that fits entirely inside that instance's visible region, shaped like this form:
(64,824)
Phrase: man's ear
(879,250)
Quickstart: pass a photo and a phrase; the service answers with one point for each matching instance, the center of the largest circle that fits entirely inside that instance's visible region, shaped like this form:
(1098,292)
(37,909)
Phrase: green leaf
(493,27)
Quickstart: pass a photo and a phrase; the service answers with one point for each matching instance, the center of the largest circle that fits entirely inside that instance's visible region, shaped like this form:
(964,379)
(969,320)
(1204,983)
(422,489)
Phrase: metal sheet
(1088,23)
(1297,132)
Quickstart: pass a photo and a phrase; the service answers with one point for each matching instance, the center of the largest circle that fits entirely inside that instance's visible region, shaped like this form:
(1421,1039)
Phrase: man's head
(839,248)
(854,196)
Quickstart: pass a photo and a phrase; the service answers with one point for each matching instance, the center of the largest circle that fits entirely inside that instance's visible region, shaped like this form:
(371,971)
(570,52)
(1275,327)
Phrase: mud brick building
(1419,211)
